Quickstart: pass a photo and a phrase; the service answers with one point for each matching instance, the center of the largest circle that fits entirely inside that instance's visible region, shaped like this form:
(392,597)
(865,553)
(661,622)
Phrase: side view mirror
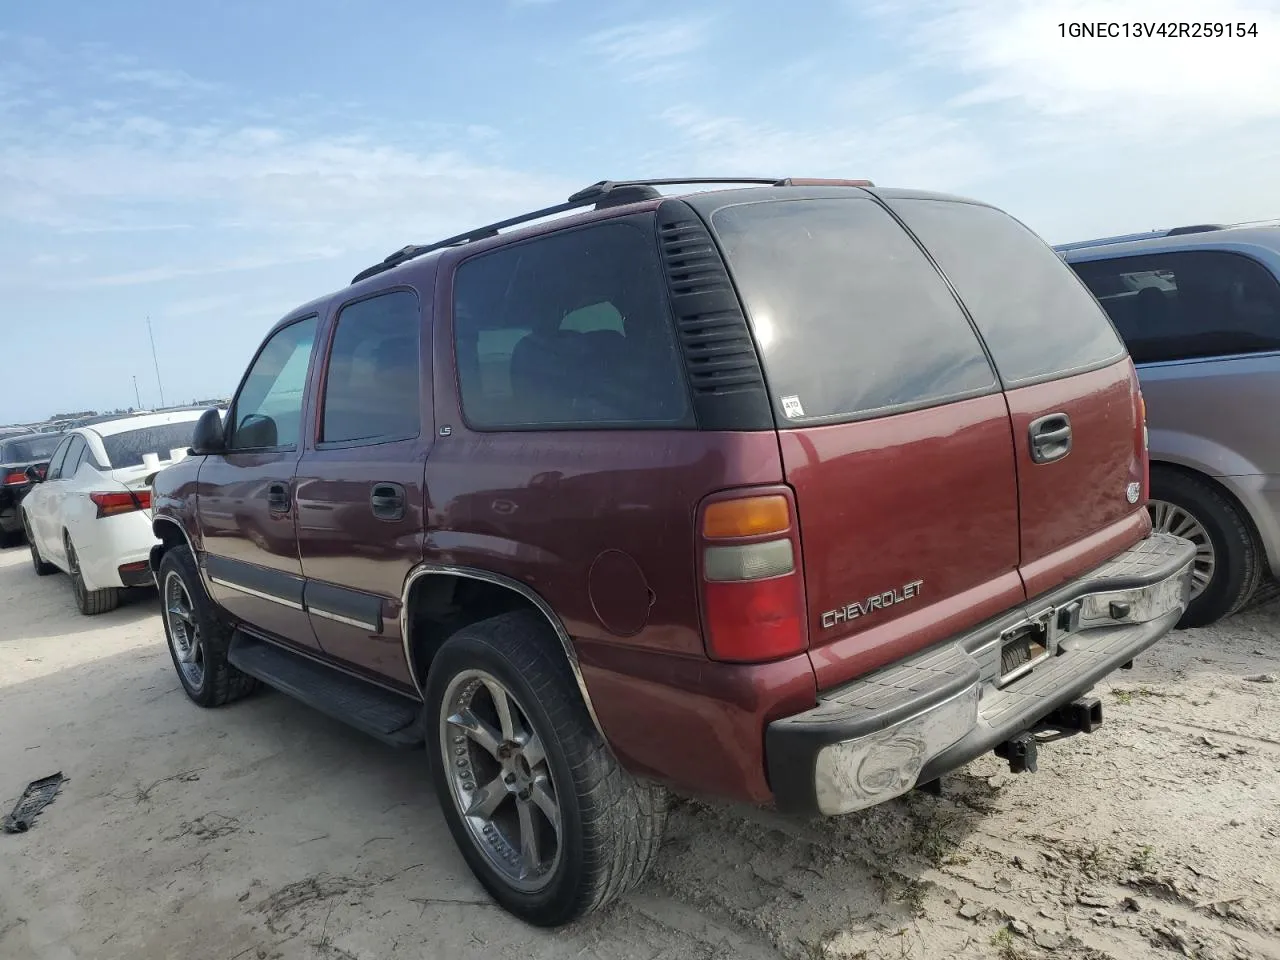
(209,436)
(35,472)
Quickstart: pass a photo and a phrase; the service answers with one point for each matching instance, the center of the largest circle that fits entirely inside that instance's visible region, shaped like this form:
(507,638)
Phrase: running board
(392,718)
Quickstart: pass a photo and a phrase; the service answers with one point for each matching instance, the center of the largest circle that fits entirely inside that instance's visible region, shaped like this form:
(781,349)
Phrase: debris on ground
(38,795)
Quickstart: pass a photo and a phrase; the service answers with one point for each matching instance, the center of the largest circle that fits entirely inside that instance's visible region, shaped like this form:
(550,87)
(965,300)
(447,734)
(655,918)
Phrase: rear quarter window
(1038,320)
(569,331)
(850,317)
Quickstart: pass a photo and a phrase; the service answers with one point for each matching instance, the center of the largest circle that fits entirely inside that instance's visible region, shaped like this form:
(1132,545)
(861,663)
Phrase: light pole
(156,361)
(136,396)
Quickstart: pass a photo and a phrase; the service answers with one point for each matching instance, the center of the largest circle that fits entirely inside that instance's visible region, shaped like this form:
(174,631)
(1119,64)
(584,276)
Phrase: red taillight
(113,503)
(752,589)
(15,478)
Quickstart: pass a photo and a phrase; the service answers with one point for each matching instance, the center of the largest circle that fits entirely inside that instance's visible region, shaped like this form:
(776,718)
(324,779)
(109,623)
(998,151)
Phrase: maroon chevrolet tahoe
(796,492)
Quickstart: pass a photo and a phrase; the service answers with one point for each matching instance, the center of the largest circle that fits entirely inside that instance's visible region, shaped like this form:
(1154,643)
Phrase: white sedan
(91,514)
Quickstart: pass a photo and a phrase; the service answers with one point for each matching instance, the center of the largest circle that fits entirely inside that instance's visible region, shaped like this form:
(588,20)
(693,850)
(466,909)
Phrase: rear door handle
(278,497)
(1050,437)
(387,501)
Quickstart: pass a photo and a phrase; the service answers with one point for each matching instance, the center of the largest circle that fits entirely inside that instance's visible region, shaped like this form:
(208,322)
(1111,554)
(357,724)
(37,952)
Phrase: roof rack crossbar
(597,194)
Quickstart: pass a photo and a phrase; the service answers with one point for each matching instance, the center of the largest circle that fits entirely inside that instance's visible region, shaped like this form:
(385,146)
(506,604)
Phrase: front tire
(198,638)
(90,602)
(546,818)
(42,567)
(1228,564)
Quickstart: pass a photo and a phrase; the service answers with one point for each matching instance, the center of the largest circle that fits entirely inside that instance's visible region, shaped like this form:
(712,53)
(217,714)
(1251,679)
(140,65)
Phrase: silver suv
(1199,308)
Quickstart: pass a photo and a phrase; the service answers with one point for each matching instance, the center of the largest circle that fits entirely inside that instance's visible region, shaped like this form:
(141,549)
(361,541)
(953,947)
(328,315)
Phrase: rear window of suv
(1037,319)
(850,317)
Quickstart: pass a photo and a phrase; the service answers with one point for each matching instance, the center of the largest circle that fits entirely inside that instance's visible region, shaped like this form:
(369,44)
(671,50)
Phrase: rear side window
(850,316)
(371,386)
(567,331)
(1036,318)
(128,448)
(1178,306)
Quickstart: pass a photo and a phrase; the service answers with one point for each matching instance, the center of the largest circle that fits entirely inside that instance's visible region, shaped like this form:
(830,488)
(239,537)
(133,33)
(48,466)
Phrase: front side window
(58,459)
(1179,306)
(851,318)
(71,463)
(268,410)
(1036,318)
(570,330)
(371,389)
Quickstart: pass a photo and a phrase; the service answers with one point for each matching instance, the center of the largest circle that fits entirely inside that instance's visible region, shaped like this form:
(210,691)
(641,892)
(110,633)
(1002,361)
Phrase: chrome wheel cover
(500,779)
(1168,517)
(184,633)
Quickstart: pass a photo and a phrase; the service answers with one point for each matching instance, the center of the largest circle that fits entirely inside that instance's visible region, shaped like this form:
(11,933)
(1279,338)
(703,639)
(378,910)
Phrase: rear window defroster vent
(719,355)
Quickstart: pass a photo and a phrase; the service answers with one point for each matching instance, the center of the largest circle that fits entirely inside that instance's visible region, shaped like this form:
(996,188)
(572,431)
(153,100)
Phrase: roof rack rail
(600,195)
(1194,228)
(1148,235)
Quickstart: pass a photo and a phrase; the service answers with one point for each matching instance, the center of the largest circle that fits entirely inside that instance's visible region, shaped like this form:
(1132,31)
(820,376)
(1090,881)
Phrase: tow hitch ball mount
(1080,716)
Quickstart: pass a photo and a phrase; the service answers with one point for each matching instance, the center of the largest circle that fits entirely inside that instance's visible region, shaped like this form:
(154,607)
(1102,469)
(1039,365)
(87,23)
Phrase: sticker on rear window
(792,407)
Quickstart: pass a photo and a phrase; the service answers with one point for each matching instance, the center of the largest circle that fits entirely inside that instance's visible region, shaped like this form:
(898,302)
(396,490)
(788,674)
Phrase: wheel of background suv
(1228,564)
(198,638)
(42,567)
(90,602)
(547,820)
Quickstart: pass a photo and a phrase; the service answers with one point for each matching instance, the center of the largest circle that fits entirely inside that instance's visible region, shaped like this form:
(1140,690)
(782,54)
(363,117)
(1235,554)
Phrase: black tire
(611,822)
(42,567)
(1237,553)
(219,682)
(89,602)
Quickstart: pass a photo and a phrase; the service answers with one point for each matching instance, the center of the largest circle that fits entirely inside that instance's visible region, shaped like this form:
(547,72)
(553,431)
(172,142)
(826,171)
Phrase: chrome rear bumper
(878,737)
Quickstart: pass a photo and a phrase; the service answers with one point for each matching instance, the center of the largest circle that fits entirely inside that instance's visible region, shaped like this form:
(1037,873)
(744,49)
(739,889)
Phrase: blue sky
(210,166)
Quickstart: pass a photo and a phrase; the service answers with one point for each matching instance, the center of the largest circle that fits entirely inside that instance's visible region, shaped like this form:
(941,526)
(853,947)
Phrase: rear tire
(42,567)
(1225,535)
(197,636)
(610,823)
(90,602)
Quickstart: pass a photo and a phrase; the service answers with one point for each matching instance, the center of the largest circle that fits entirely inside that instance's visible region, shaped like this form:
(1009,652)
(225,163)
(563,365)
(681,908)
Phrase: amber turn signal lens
(748,517)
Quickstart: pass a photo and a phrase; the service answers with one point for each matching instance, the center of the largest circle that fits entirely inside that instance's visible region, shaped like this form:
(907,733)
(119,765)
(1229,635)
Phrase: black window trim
(1005,383)
(647,223)
(230,420)
(781,420)
(424,376)
(1183,251)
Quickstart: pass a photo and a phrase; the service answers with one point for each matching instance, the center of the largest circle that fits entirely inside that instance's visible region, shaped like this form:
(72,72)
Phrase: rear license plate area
(1021,648)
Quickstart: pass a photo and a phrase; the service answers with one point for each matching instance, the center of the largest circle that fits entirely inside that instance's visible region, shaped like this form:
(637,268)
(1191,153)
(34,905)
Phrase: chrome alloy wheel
(500,779)
(1170,518)
(184,634)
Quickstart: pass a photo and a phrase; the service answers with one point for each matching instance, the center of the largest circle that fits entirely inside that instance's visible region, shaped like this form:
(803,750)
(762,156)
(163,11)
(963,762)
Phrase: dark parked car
(17,453)
(800,493)
(1199,308)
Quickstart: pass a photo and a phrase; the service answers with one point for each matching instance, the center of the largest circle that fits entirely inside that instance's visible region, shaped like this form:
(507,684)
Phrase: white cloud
(652,49)
(171,81)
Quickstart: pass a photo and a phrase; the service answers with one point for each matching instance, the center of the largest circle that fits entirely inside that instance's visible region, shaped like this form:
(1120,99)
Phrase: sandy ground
(265,830)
